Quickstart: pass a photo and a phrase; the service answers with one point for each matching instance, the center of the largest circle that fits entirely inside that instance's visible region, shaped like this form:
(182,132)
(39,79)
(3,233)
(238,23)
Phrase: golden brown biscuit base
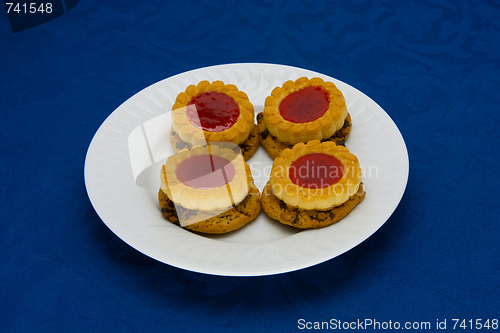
(248,147)
(274,147)
(307,219)
(235,218)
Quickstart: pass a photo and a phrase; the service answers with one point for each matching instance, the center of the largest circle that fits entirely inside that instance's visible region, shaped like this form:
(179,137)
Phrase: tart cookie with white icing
(209,190)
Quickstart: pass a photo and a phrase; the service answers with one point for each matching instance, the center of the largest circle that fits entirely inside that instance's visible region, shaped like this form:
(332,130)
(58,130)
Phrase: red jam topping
(316,171)
(205,171)
(214,112)
(305,105)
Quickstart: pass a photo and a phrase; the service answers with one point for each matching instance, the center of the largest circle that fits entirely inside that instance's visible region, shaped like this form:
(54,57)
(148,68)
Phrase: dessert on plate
(208,189)
(301,111)
(313,185)
(214,112)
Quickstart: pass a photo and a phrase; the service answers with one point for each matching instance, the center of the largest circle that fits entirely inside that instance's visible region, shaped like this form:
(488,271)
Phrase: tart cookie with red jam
(214,113)
(313,185)
(301,111)
(208,190)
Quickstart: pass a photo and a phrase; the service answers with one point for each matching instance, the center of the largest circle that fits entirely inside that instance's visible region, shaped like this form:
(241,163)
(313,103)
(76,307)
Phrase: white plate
(122,180)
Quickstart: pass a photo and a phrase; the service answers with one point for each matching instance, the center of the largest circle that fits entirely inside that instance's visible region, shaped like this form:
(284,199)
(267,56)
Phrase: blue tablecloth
(432,65)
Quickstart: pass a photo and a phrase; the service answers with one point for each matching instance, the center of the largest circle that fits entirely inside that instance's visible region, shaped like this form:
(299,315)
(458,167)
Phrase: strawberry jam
(316,171)
(205,171)
(214,112)
(305,105)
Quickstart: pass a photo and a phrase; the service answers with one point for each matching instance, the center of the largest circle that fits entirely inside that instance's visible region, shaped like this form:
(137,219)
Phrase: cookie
(274,147)
(304,110)
(307,219)
(232,219)
(248,147)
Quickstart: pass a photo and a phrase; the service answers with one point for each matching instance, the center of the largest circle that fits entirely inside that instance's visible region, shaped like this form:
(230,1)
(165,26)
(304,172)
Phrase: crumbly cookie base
(307,219)
(230,220)
(248,147)
(274,147)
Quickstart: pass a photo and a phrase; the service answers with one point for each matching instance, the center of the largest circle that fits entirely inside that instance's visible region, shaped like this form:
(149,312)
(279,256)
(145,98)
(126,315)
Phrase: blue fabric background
(432,65)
